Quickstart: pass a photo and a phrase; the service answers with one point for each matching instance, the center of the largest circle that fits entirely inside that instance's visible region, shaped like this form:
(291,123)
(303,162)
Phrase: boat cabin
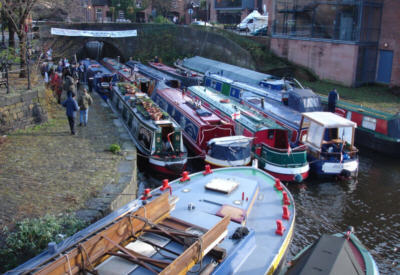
(199,124)
(329,134)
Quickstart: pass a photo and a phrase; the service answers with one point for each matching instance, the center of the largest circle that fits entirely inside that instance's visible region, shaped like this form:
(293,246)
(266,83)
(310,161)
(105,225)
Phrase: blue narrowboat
(99,78)
(211,222)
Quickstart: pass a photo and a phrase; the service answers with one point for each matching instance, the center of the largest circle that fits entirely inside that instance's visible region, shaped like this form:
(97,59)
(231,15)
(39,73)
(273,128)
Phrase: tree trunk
(11,33)
(22,52)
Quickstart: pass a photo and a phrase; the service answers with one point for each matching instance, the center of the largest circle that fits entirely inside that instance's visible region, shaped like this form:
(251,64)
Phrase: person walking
(71,107)
(85,100)
(333,97)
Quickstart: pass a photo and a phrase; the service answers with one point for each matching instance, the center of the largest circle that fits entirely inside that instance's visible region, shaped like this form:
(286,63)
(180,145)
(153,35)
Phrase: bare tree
(17,12)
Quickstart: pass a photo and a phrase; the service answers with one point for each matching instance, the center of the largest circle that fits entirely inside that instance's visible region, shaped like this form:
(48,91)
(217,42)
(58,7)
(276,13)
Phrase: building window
(327,19)
(99,14)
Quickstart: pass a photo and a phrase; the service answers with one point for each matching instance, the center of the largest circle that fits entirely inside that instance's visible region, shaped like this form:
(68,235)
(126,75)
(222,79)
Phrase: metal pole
(8,89)
(27,64)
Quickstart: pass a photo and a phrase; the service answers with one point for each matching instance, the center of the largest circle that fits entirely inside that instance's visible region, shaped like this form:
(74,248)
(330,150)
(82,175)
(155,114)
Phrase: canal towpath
(45,169)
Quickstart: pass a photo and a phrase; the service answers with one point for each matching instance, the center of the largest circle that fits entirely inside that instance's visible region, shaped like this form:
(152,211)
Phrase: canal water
(370,204)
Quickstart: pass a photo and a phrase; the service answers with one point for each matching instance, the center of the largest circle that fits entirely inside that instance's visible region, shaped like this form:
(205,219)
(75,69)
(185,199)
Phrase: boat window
(346,134)
(167,137)
(315,134)
(144,137)
(369,123)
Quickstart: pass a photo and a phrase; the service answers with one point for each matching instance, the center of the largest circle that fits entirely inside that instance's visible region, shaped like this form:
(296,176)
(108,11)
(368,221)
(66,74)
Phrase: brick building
(350,41)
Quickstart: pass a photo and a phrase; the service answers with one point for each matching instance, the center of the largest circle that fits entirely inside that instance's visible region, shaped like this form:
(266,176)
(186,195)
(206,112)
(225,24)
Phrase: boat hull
(295,174)
(168,168)
(221,163)
(384,145)
(324,168)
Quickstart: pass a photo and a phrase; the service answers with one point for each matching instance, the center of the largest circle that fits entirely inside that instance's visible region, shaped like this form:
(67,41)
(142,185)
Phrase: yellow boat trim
(223,166)
(282,251)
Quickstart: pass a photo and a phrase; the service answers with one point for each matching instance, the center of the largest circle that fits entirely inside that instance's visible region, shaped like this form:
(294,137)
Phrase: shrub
(115,148)
(31,236)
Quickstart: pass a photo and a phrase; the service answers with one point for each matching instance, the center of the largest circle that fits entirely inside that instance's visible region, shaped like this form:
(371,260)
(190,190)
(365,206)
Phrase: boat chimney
(262,103)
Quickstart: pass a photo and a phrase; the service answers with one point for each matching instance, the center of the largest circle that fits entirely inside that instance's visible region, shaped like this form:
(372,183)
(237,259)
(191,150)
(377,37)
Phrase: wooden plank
(96,246)
(190,257)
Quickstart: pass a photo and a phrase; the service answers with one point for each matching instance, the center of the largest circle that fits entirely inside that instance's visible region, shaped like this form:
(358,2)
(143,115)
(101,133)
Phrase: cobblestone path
(47,170)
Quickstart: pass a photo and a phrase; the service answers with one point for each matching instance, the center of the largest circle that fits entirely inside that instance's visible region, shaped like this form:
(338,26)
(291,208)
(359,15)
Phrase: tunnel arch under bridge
(167,40)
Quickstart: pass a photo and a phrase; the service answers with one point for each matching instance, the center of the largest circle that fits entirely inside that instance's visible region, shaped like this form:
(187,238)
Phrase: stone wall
(18,111)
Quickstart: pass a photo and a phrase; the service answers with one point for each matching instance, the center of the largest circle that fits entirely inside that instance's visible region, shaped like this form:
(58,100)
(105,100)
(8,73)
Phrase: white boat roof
(329,120)
(228,140)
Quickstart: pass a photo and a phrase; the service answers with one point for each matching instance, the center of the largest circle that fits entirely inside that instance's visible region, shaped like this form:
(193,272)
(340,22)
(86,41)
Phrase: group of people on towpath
(65,80)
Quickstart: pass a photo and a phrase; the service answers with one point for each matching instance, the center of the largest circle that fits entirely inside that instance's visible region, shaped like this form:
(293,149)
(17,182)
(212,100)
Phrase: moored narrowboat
(330,144)
(199,125)
(211,222)
(341,253)
(99,78)
(156,135)
(187,77)
(229,151)
(376,130)
(271,144)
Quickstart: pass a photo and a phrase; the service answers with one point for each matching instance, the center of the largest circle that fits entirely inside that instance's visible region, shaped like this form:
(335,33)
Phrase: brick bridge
(166,40)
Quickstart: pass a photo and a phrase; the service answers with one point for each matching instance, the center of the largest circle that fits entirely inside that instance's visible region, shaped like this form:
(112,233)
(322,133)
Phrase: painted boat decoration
(271,144)
(99,78)
(377,130)
(156,135)
(211,222)
(200,125)
(342,253)
(187,77)
(330,144)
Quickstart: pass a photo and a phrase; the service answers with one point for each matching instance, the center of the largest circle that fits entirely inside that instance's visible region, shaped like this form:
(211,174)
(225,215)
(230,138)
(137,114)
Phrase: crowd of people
(65,79)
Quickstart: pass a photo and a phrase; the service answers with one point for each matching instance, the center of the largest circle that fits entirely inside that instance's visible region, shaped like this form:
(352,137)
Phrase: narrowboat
(330,144)
(229,151)
(211,222)
(297,98)
(156,135)
(271,144)
(224,75)
(200,125)
(187,77)
(100,79)
(127,74)
(376,130)
(152,73)
(341,253)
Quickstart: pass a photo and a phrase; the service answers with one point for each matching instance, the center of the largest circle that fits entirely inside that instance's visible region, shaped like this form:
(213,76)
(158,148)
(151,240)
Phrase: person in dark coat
(333,97)
(71,108)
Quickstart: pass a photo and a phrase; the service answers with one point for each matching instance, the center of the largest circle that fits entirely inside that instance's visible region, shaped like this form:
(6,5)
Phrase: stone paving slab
(47,170)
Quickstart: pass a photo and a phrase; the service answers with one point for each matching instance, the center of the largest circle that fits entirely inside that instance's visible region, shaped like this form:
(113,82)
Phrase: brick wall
(330,61)
(18,111)
(390,36)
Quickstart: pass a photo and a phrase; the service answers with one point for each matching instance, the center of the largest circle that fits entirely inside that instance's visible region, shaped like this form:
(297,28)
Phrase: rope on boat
(146,156)
(69,264)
